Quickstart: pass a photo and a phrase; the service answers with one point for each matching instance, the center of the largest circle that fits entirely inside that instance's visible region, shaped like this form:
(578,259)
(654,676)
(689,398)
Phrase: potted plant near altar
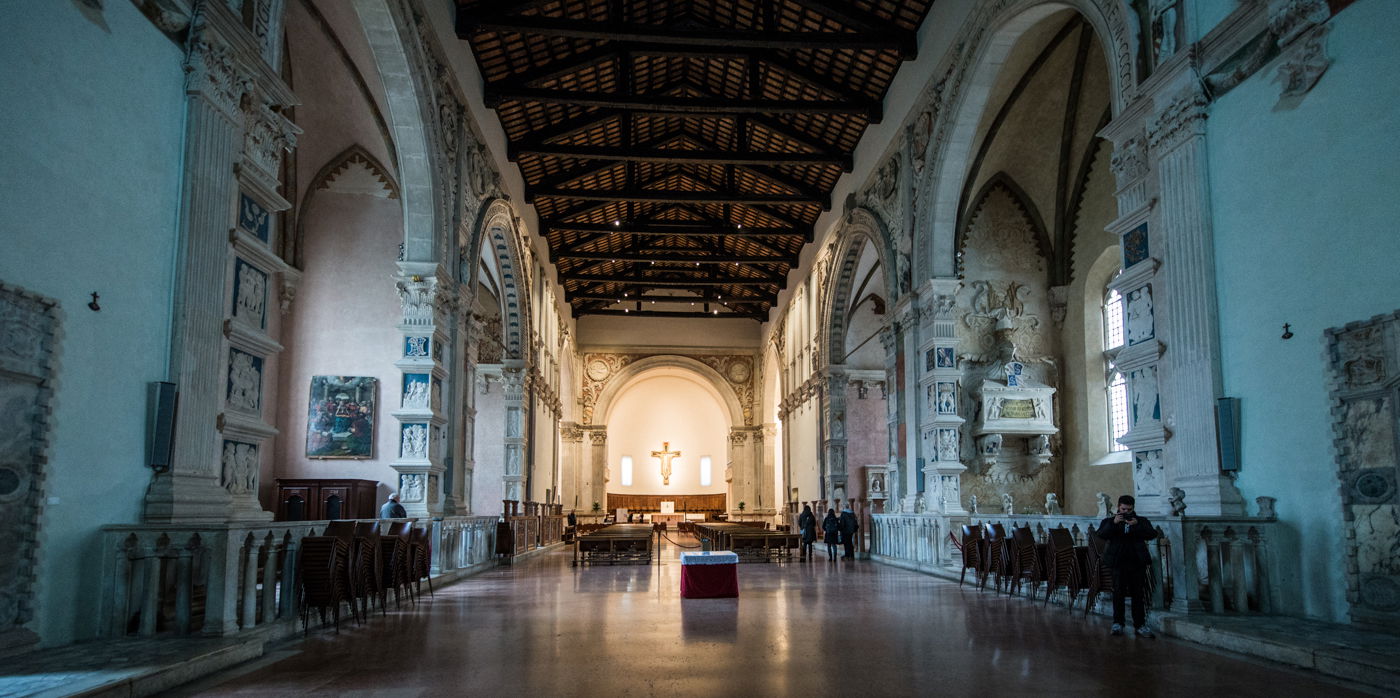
(741,510)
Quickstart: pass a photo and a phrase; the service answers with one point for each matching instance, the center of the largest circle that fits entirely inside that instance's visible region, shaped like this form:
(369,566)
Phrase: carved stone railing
(1202,564)
(463,542)
(221,579)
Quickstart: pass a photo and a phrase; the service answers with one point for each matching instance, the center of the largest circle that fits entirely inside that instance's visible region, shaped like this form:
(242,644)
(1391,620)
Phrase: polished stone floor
(543,628)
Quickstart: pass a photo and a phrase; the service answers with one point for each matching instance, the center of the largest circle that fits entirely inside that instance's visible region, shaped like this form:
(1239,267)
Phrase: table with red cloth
(709,575)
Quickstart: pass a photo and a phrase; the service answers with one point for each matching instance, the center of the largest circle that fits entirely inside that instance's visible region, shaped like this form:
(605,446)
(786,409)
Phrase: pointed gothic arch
(1023,203)
(354,161)
(960,97)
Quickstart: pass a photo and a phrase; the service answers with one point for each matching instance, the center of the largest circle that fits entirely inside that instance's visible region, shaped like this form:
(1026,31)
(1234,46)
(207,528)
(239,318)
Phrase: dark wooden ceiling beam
(681,157)
(469,23)
(673,255)
(727,314)
(681,229)
(661,281)
(673,197)
(848,14)
(562,66)
(571,296)
(669,104)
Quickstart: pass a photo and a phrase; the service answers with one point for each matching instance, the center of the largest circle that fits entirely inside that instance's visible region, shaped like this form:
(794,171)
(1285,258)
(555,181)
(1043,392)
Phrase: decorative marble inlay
(1148,478)
(1138,316)
(416,347)
(415,441)
(1135,246)
(253,218)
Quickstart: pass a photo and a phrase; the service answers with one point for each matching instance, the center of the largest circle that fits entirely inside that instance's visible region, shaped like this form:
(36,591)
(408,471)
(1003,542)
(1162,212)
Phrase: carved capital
(598,438)
(1180,120)
(738,438)
(266,135)
(212,71)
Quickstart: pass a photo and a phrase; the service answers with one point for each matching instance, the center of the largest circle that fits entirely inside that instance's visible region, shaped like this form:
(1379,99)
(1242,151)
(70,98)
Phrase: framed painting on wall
(340,417)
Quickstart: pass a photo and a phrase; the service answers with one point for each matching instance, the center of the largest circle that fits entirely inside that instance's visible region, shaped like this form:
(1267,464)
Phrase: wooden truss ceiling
(684,148)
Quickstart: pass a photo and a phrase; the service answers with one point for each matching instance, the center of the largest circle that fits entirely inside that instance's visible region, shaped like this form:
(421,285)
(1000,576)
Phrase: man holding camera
(1126,555)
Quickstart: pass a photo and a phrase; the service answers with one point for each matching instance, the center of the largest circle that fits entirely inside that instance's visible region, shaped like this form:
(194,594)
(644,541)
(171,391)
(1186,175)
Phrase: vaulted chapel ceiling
(684,148)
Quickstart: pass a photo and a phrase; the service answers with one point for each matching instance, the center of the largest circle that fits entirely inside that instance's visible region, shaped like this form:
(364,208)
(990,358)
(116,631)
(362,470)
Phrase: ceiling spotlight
(624,294)
(714,312)
(697,264)
(624,310)
(740,226)
(617,223)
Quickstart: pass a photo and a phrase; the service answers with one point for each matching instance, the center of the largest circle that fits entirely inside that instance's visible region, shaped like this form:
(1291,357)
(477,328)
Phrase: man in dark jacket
(849,526)
(1127,556)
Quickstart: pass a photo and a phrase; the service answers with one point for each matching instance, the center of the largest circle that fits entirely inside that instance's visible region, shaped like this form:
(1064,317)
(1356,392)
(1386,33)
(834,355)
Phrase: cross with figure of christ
(665,454)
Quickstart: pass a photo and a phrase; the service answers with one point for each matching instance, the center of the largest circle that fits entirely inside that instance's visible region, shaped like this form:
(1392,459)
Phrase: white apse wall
(667,408)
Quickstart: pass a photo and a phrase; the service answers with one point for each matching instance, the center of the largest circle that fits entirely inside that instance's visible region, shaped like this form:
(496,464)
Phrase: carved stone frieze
(212,70)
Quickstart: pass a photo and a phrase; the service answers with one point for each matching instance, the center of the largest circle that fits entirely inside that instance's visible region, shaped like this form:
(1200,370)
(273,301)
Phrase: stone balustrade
(1203,564)
(220,579)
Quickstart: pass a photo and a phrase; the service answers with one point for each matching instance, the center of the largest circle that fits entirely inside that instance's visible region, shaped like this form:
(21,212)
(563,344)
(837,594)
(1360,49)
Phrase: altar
(710,575)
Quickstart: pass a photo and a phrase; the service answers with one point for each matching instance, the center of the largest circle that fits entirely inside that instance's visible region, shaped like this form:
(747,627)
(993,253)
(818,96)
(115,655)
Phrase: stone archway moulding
(497,230)
(629,374)
(408,126)
(862,227)
(959,97)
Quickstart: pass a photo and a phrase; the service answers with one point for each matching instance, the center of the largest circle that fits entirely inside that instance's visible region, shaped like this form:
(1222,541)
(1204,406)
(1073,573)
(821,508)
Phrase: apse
(667,411)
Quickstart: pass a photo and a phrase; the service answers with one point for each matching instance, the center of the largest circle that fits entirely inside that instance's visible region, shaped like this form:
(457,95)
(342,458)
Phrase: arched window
(1115,387)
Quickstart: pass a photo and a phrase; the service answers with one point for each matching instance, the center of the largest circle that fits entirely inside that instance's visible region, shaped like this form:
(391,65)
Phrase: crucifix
(665,455)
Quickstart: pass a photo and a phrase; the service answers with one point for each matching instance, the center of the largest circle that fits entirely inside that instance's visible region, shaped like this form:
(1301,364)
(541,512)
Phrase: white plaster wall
(1305,211)
(487,487)
(804,448)
(667,408)
(344,323)
(92,174)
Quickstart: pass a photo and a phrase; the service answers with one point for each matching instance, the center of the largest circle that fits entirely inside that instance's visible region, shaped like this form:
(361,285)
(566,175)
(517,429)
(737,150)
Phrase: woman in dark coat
(807,526)
(831,527)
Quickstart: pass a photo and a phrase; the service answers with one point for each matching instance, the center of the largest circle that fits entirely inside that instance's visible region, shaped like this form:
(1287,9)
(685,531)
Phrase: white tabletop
(715,557)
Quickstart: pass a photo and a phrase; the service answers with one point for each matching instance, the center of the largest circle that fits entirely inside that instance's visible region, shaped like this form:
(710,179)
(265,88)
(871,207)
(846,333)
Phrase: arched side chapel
(1019,311)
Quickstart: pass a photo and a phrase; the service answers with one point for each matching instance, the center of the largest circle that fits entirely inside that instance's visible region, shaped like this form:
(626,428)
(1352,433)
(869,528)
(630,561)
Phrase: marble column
(1190,379)
(224,268)
(576,473)
(940,382)
(895,473)
(905,394)
(833,411)
(459,497)
(598,469)
(427,299)
(514,396)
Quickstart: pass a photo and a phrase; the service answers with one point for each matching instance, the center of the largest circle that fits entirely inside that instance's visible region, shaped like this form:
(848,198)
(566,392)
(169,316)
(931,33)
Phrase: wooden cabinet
(319,500)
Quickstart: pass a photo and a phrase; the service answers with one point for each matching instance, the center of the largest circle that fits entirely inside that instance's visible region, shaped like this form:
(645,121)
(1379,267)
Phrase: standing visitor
(807,526)
(1127,556)
(830,529)
(849,526)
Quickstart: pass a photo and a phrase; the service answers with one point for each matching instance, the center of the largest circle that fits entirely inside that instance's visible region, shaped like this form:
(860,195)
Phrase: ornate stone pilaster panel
(1190,381)
(576,484)
(1364,387)
(225,270)
(29,327)
(940,384)
(515,394)
(428,302)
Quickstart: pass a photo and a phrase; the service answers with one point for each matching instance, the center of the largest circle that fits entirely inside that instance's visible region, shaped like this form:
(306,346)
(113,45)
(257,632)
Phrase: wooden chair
(1100,575)
(393,550)
(1026,561)
(370,561)
(970,549)
(322,579)
(344,531)
(420,559)
(1062,561)
(994,561)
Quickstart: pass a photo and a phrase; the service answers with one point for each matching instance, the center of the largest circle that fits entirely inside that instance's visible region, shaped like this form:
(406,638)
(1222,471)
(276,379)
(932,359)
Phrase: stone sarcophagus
(1017,408)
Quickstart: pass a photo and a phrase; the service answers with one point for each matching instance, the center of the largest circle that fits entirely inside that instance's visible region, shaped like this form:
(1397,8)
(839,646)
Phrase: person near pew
(807,526)
(849,526)
(1127,556)
(392,509)
(831,528)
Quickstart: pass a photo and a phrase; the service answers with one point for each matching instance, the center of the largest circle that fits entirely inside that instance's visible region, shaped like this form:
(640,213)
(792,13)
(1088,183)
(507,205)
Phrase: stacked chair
(1026,560)
(1063,563)
(970,548)
(995,560)
(357,563)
